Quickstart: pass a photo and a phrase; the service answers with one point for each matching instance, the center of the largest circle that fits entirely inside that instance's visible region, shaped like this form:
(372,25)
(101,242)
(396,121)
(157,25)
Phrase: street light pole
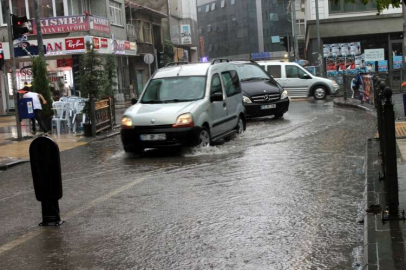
(39,32)
(13,68)
(321,66)
(295,30)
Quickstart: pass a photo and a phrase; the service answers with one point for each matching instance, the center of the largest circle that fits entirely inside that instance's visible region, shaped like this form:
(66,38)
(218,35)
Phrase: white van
(298,81)
(191,104)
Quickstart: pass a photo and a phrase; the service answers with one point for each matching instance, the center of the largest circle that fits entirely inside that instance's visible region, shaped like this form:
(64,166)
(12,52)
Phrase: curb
(339,103)
(12,163)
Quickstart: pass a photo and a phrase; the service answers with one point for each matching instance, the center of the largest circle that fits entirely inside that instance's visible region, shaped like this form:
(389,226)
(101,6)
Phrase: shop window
(343,6)
(115,12)
(147,32)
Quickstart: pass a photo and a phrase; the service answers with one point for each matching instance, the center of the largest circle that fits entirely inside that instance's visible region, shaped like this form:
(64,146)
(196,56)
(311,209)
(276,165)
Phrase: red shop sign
(104,43)
(64,63)
(75,44)
(100,24)
(96,43)
(65,24)
(127,45)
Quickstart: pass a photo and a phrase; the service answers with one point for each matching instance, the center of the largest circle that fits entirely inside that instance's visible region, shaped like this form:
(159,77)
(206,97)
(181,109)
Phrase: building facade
(67,25)
(243,28)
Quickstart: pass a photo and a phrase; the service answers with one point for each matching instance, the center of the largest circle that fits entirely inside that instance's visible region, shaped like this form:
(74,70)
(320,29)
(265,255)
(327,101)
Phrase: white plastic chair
(78,108)
(61,115)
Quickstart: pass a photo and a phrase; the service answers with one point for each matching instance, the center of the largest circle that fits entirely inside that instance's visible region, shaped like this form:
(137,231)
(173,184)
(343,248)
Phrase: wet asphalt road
(286,194)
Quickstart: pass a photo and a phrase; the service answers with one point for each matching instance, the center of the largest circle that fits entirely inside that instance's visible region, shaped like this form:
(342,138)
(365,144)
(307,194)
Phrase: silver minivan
(190,104)
(298,81)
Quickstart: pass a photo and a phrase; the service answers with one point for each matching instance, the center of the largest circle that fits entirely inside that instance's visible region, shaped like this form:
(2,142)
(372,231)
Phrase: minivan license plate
(269,106)
(153,137)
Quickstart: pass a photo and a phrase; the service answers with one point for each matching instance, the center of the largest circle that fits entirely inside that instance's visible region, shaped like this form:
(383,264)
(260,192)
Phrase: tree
(91,80)
(110,72)
(168,53)
(40,85)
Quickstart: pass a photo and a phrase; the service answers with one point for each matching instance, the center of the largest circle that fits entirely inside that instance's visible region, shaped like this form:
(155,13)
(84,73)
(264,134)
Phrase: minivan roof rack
(176,64)
(220,60)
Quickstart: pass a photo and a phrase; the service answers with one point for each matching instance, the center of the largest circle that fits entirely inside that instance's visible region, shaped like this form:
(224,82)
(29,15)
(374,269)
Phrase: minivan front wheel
(240,126)
(320,93)
(204,138)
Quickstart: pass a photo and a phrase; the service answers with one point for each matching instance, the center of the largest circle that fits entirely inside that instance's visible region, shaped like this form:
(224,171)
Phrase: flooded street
(286,194)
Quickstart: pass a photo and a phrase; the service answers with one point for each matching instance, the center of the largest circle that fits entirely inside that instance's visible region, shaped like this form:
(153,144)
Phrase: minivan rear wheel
(204,138)
(320,93)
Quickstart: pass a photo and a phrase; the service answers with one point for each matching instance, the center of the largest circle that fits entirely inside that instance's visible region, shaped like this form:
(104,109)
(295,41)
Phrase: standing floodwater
(284,195)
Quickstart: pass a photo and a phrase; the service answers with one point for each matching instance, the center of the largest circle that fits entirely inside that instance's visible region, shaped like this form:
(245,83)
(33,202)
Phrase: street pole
(295,30)
(39,32)
(321,66)
(13,68)
(404,40)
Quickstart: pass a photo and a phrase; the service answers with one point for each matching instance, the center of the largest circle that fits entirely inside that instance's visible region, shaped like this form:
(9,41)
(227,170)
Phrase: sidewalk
(384,241)
(13,152)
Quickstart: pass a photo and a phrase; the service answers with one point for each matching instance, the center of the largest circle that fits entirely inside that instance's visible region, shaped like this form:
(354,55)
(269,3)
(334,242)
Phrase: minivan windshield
(174,89)
(249,72)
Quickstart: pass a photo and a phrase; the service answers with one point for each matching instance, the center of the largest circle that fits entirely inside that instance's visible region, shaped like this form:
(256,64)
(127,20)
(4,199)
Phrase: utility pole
(13,68)
(39,32)
(295,30)
(321,66)
(404,41)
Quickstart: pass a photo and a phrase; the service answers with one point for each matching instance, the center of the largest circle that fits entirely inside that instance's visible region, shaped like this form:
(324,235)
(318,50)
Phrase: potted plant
(91,85)
(41,86)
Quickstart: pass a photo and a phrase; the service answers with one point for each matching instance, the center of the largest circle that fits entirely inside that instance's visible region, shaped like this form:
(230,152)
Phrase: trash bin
(25,108)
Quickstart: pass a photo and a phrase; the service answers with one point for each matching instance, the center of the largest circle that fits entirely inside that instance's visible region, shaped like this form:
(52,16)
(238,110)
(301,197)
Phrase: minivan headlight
(184,120)
(126,122)
(284,94)
(246,99)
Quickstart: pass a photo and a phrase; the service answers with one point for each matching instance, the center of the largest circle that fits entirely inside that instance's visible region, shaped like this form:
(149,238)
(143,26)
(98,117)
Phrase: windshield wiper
(254,79)
(152,101)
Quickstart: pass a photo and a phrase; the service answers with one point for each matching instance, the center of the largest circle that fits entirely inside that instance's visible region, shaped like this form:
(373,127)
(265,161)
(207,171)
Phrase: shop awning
(145,9)
(354,26)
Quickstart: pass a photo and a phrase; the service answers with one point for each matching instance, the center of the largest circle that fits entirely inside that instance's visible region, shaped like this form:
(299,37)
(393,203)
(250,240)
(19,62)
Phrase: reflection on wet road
(284,195)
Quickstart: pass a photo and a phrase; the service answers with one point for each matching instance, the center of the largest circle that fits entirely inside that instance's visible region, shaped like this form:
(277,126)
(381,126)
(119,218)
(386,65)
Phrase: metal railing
(387,145)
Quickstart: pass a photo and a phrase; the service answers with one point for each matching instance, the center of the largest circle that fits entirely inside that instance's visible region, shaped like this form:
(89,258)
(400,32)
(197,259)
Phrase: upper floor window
(84,5)
(147,32)
(232,2)
(115,12)
(207,8)
(199,9)
(47,8)
(273,17)
(301,26)
(213,6)
(343,6)
(223,3)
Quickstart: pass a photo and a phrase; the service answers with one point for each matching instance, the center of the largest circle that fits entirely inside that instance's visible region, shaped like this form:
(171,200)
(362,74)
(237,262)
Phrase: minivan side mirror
(306,76)
(133,101)
(216,96)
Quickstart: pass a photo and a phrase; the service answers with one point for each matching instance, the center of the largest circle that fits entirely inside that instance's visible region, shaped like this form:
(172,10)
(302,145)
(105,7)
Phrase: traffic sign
(148,59)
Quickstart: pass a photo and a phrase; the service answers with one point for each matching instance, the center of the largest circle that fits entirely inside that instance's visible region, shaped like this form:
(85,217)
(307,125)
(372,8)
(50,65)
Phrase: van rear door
(232,87)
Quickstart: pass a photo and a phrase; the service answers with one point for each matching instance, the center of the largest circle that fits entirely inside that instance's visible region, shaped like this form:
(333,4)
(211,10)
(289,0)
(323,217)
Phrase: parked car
(190,104)
(298,81)
(262,95)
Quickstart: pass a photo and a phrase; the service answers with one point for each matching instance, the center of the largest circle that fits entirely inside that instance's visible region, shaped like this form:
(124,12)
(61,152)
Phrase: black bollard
(47,178)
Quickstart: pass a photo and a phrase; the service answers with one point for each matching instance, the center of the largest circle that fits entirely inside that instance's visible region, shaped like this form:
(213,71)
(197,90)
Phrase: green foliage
(91,77)
(110,74)
(168,54)
(40,85)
